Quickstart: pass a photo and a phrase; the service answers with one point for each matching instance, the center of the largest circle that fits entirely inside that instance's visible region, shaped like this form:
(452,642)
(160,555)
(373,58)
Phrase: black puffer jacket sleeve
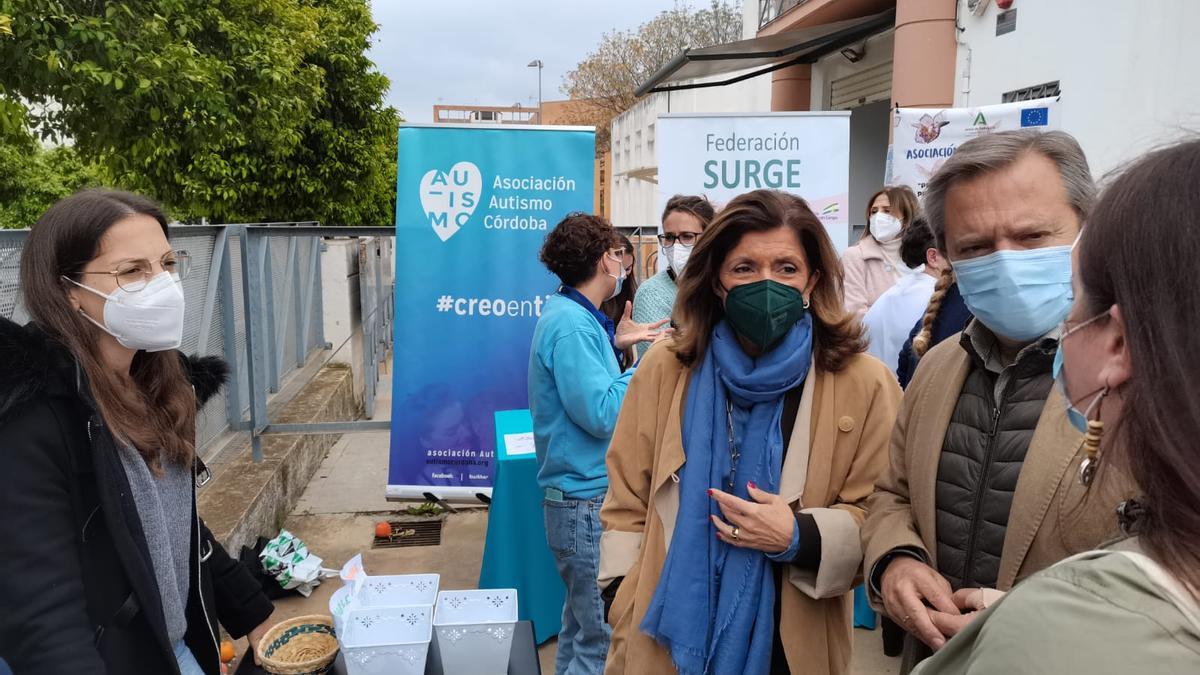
(241,603)
(44,626)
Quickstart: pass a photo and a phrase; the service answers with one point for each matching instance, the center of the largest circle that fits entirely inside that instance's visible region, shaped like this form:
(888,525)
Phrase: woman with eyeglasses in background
(684,219)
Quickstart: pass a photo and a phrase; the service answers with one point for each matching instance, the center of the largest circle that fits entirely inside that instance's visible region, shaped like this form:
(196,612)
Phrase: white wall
(1128,70)
(633,199)
(340,301)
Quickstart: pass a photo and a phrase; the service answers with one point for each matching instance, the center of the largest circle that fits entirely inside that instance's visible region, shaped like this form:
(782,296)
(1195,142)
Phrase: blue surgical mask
(619,276)
(1021,295)
(1078,419)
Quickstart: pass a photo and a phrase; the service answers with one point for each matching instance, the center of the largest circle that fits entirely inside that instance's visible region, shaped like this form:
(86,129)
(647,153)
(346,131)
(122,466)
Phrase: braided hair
(923,339)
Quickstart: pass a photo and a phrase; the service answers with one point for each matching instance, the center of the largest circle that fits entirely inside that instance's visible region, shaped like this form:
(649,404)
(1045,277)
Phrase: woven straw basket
(304,645)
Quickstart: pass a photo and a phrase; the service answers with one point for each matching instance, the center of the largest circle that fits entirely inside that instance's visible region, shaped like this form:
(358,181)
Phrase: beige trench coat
(837,450)
(1049,520)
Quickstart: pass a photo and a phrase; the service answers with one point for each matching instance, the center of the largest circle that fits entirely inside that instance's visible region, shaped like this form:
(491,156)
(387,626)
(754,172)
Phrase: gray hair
(993,152)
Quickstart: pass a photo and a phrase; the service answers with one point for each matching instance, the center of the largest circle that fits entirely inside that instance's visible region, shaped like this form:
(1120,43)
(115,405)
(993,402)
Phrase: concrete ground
(336,517)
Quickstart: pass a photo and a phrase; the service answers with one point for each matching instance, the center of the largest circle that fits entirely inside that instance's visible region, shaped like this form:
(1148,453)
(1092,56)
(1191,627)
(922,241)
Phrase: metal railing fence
(254,297)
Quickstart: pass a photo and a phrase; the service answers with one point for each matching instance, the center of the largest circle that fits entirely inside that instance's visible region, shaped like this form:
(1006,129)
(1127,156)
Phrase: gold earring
(1091,449)
(1091,442)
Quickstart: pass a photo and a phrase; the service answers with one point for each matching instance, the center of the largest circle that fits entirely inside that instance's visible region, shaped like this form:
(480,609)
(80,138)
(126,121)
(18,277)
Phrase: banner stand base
(450,493)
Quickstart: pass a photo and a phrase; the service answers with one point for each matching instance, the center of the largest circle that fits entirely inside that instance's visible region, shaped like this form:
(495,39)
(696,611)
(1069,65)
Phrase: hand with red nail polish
(765,522)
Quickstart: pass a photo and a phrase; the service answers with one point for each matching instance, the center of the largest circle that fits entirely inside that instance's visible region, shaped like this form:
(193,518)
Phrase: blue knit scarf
(713,608)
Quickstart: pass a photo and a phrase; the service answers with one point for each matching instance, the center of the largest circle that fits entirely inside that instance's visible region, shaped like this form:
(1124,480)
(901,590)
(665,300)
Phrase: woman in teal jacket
(1127,365)
(576,388)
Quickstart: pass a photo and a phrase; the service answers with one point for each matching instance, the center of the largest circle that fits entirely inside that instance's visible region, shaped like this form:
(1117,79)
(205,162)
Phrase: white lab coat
(892,317)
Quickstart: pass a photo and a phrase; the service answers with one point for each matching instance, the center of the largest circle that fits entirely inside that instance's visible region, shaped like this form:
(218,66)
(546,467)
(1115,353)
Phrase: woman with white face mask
(1126,370)
(874,265)
(106,565)
(684,219)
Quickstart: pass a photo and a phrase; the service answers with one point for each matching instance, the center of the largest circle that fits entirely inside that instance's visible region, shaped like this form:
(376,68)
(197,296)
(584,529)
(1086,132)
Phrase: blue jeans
(186,660)
(573,533)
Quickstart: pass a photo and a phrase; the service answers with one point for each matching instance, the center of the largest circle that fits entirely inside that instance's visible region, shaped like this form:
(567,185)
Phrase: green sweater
(654,301)
(1112,611)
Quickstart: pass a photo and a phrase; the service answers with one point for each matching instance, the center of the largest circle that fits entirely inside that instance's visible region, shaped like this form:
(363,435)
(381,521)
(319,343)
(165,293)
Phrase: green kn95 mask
(764,311)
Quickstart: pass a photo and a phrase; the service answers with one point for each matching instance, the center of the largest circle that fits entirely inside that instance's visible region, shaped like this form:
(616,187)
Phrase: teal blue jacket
(575,392)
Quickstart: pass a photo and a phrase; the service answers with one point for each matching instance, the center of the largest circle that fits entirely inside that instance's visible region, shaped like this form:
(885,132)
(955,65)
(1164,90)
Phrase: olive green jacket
(1112,611)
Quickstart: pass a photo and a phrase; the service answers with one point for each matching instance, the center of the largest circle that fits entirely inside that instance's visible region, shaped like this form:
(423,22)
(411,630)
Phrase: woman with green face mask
(742,458)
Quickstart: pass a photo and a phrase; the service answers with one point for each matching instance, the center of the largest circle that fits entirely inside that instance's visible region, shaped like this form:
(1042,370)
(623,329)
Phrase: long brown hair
(1139,252)
(153,407)
(837,335)
(902,202)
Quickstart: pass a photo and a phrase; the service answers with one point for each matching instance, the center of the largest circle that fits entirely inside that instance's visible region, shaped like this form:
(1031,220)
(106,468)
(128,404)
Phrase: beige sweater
(870,268)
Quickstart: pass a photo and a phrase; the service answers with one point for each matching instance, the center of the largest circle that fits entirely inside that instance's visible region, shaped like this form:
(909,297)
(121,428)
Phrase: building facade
(634,162)
(562,113)
(1124,71)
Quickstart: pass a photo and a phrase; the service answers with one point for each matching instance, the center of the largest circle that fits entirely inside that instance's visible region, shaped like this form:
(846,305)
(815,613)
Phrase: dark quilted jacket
(984,448)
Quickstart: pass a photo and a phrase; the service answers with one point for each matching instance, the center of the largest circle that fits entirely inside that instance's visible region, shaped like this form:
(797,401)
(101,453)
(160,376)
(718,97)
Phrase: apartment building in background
(555,113)
(1124,72)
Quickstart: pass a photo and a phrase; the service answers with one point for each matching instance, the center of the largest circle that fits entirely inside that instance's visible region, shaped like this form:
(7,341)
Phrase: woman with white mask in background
(684,219)
(873,265)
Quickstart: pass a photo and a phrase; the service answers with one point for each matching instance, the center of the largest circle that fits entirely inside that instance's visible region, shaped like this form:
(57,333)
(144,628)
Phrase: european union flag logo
(1035,117)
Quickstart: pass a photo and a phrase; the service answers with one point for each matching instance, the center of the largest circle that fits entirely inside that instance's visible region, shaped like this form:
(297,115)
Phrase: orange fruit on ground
(227,652)
(383,530)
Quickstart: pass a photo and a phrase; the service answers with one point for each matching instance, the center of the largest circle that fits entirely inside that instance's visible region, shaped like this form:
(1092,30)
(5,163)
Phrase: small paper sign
(519,444)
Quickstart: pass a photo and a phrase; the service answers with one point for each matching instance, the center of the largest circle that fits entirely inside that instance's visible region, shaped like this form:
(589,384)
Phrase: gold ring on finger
(736,530)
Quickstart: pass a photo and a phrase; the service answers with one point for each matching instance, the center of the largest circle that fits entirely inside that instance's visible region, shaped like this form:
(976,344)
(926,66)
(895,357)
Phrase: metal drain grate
(411,533)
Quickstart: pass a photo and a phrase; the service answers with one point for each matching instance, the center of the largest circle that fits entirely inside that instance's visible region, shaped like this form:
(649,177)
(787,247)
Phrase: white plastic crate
(474,630)
(386,640)
(340,602)
(399,590)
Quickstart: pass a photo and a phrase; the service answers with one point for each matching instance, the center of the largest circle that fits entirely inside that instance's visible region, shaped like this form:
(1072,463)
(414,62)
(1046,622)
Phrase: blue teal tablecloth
(864,616)
(515,554)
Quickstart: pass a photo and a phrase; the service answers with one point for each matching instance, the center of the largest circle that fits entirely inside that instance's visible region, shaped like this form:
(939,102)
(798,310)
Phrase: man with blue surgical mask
(984,469)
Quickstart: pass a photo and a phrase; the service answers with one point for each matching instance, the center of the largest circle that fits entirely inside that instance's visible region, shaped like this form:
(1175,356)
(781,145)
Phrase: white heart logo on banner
(450,197)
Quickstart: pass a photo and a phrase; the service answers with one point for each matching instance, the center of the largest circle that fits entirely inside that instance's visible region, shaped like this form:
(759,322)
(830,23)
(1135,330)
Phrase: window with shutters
(869,85)
(769,10)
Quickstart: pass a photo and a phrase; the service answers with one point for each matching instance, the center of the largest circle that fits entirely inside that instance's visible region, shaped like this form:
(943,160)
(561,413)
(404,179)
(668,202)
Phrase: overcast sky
(476,51)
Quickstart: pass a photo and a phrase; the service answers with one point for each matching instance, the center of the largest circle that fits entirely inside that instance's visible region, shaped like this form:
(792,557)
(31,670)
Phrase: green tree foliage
(219,108)
(32,177)
(346,158)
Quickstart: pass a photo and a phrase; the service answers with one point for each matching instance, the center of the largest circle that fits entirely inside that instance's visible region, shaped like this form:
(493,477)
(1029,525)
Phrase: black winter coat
(77,589)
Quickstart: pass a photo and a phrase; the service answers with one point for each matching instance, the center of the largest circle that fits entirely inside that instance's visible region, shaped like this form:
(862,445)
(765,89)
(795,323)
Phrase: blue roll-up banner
(473,204)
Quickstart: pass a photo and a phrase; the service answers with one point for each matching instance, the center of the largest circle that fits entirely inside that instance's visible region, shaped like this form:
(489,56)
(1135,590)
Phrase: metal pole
(253,246)
(266,262)
(537,63)
(210,290)
(233,400)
